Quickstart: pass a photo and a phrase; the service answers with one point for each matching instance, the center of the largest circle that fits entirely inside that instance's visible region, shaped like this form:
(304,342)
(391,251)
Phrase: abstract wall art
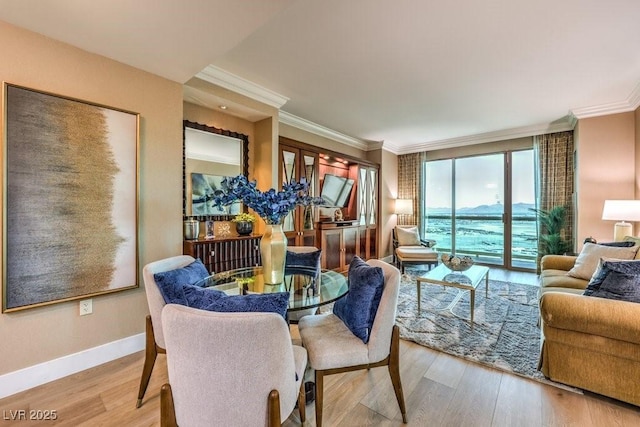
(70,199)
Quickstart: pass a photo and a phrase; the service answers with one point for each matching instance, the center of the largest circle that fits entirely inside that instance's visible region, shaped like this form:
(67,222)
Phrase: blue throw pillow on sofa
(171,283)
(359,307)
(619,280)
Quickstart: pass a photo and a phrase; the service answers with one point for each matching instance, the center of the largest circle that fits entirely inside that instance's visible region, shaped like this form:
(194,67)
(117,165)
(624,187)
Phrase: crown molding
(316,129)
(239,85)
(630,104)
(566,124)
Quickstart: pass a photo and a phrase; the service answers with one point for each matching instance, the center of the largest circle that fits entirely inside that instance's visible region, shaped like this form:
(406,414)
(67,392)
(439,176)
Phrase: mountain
(521,209)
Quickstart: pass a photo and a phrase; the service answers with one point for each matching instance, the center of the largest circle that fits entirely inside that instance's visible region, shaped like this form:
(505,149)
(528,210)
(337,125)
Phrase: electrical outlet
(86,307)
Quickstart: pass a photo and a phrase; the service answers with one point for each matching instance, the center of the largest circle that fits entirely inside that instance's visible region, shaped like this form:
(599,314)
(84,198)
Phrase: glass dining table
(308,287)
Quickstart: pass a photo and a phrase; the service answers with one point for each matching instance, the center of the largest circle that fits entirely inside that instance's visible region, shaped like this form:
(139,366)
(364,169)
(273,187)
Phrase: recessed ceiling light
(223,107)
(326,157)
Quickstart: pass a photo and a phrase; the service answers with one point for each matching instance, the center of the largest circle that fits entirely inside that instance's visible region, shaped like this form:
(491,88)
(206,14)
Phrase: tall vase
(273,250)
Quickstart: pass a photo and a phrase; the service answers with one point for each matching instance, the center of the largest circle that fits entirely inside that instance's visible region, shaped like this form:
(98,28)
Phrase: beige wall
(605,169)
(40,334)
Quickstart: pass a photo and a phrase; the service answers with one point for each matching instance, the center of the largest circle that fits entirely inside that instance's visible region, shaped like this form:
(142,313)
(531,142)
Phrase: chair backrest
(394,234)
(154,297)
(380,337)
(306,256)
(222,366)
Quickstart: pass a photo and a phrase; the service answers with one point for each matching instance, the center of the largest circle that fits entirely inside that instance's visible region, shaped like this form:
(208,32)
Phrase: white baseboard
(33,376)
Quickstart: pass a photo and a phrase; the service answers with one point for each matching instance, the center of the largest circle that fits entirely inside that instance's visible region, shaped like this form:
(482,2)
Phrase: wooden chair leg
(274,409)
(394,370)
(319,396)
(302,402)
(167,410)
(150,355)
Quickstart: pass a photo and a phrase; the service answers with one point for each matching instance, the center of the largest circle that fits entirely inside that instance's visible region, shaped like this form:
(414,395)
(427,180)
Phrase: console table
(225,253)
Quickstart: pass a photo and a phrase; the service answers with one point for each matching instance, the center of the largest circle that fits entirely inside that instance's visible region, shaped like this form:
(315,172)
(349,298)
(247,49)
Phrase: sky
(480,180)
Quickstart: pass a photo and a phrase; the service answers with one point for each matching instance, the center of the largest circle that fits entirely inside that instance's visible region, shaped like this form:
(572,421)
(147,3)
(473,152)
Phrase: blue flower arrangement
(270,205)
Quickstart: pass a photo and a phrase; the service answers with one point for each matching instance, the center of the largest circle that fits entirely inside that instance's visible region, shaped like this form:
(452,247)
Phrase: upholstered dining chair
(154,336)
(334,349)
(302,256)
(230,369)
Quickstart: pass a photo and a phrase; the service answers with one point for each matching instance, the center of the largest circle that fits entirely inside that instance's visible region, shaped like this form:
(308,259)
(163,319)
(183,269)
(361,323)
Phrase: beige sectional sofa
(588,342)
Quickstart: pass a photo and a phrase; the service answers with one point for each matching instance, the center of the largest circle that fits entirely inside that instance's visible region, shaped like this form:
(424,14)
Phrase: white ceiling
(412,74)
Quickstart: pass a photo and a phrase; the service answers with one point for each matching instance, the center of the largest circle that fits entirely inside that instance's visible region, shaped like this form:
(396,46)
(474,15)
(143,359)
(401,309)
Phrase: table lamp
(622,211)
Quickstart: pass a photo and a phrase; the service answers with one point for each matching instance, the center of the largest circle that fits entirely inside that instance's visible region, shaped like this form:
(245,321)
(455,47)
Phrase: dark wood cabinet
(358,233)
(223,254)
(339,243)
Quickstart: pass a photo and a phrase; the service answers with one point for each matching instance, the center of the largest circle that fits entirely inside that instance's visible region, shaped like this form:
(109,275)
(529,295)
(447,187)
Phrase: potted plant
(244,223)
(552,222)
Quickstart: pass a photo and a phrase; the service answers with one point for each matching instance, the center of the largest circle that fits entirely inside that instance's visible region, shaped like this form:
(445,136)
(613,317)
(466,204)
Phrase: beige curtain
(555,168)
(410,186)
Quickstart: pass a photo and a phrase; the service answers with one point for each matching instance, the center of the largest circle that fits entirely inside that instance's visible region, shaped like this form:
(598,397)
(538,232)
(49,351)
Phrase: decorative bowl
(456,263)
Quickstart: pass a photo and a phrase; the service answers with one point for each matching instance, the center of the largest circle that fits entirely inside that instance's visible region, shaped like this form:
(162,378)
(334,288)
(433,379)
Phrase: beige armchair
(334,349)
(409,248)
(230,369)
(154,335)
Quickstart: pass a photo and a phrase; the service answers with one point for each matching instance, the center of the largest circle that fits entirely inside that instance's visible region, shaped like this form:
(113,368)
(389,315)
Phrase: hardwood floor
(440,390)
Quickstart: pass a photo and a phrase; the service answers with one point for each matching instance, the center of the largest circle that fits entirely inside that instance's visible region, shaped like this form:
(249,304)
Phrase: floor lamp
(622,211)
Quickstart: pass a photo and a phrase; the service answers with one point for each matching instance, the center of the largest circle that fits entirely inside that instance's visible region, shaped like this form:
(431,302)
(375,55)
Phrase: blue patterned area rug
(505,334)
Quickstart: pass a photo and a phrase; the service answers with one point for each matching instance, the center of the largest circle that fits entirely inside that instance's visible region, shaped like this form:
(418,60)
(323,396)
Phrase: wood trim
(302,145)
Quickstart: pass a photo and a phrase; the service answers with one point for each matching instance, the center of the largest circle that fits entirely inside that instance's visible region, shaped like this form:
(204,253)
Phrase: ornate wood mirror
(209,155)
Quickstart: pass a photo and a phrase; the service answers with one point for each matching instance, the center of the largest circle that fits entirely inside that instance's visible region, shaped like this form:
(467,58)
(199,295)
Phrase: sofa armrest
(557,262)
(591,315)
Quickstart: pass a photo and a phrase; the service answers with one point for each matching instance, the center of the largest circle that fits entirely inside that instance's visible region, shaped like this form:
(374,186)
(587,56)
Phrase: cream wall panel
(41,334)
(388,195)
(606,169)
(637,157)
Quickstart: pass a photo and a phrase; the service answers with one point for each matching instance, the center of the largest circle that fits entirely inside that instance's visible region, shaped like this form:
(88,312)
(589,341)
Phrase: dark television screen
(336,190)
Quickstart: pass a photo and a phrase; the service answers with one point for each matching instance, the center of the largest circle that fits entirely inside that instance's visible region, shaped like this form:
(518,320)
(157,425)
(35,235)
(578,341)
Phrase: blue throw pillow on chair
(171,283)
(277,302)
(177,287)
(359,307)
(303,259)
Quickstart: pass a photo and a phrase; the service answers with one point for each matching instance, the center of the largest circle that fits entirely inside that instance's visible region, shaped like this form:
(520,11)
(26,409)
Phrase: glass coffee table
(308,288)
(463,280)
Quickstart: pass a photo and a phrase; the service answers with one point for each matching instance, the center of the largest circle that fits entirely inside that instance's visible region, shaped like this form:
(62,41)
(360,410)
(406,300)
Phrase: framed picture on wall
(70,199)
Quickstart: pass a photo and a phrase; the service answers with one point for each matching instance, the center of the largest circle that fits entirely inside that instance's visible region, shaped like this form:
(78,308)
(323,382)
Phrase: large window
(480,206)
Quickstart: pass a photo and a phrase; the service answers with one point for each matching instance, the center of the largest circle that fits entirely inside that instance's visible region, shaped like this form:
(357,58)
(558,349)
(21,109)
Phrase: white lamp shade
(621,210)
(404,207)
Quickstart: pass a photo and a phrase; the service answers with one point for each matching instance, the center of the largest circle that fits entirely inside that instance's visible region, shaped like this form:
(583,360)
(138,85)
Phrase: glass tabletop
(307,288)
